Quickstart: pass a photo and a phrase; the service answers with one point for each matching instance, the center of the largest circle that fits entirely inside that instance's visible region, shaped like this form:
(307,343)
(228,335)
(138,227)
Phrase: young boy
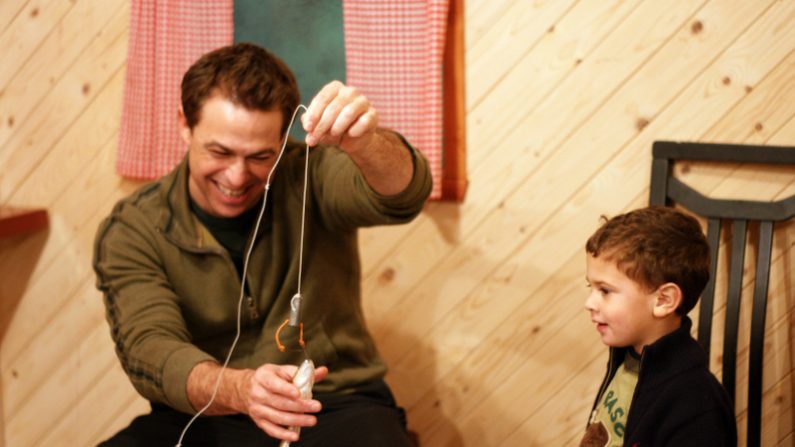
(646,270)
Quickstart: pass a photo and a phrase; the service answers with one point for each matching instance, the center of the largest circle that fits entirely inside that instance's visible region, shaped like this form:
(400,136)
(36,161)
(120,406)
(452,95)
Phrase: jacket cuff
(176,370)
(420,185)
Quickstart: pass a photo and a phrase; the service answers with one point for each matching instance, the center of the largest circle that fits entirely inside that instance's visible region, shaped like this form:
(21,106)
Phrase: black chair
(668,190)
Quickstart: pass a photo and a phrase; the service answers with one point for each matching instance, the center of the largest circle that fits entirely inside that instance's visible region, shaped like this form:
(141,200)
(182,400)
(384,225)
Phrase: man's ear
(184,129)
(667,300)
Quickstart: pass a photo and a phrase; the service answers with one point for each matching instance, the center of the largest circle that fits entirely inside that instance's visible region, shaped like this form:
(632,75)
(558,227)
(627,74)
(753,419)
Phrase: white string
(245,266)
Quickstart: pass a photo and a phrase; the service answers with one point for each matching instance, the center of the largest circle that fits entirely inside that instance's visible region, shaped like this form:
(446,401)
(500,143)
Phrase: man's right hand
(267,395)
(274,403)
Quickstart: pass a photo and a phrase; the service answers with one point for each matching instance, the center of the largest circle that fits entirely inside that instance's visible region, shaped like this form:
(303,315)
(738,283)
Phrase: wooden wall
(477,307)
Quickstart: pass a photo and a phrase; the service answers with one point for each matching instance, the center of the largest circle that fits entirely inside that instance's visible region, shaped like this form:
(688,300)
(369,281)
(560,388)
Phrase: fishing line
(295,302)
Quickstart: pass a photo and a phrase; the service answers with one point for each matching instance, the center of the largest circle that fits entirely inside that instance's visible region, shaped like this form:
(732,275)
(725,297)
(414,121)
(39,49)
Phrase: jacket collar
(176,221)
(670,355)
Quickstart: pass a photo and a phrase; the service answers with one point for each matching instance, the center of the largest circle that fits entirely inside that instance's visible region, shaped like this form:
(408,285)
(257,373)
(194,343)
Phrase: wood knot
(34,12)
(726,80)
(11,121)
(387,275)
(641,123)
(748,89)
(685,168)
(551,29)
(536,329)
(696,27)
(578,61)
(758,127)
(14,373)
(86,88)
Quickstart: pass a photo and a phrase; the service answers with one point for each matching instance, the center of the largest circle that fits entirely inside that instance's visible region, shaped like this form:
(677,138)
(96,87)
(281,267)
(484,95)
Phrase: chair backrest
(722,213)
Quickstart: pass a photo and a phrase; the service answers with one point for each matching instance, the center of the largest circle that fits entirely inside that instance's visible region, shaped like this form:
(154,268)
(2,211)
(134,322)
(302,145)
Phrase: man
(170,258)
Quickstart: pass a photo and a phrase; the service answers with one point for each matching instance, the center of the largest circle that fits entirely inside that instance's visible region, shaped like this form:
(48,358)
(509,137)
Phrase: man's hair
(247,75)
(654,246)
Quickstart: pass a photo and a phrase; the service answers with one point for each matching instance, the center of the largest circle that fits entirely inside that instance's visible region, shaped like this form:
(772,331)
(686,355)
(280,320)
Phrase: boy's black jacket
(677,401)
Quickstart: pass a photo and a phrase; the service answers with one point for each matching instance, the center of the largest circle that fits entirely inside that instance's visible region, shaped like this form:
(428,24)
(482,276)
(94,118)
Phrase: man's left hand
(342,116)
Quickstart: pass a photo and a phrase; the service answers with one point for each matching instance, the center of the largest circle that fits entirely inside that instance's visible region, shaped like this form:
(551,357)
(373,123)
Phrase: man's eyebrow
(218,145)
(268,151)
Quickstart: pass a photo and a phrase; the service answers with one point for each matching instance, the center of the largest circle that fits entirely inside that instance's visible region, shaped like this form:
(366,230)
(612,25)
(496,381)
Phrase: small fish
(304,379)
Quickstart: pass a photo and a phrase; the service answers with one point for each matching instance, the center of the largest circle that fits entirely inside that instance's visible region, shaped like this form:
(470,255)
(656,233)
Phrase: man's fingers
(365,123)
(319,103)
(276,431)
(277,379)
(349,116)
(320,373)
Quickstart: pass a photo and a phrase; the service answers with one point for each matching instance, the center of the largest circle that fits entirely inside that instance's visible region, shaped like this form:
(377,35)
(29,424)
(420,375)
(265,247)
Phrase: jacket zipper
(253,313)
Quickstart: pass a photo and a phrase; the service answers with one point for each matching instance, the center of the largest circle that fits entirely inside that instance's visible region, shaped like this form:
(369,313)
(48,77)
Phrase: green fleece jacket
(171,291)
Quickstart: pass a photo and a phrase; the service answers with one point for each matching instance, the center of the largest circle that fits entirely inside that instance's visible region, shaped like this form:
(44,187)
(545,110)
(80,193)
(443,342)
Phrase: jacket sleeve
(146,324)
(346,200)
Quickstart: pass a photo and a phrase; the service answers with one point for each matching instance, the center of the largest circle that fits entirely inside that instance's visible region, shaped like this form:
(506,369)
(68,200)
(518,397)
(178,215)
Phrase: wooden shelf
(16,221)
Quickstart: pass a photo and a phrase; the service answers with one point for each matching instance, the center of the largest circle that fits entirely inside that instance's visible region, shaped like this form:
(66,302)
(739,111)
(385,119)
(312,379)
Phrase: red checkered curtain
(166,37)
(393,53)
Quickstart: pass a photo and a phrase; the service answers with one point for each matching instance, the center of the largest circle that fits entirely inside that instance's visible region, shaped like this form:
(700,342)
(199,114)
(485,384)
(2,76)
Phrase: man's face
(621,309)
(231,151)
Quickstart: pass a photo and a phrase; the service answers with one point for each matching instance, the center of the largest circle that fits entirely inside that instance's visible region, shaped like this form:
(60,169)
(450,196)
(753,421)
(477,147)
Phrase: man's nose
(237,173)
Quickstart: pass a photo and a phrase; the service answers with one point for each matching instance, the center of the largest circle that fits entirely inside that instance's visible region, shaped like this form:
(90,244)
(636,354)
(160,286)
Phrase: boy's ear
(184,129)
(668,299)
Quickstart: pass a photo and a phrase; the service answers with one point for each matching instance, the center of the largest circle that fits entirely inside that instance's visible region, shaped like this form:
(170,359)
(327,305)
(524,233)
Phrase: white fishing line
(245,265)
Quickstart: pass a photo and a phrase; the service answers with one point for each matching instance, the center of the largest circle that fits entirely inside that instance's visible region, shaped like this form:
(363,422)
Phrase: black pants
(366,418)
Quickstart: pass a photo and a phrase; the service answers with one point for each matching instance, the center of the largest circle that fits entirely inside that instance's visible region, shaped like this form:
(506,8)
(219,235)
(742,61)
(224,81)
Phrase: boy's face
(621,309)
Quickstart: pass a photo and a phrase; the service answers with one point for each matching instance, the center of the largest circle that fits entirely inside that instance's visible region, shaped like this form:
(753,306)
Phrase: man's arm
(341,115)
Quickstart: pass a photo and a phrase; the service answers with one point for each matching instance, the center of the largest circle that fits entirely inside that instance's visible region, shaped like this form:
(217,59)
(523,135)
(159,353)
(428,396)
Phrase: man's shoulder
(141,209)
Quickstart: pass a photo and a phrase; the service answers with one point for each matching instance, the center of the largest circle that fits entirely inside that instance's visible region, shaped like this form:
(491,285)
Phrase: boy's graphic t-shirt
(609,418)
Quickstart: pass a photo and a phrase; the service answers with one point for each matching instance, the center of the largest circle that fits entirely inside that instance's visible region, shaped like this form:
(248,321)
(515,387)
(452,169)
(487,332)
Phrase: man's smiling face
(231,151)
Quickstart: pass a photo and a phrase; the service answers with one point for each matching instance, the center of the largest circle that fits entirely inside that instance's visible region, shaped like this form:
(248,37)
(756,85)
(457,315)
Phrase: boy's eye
(603,291)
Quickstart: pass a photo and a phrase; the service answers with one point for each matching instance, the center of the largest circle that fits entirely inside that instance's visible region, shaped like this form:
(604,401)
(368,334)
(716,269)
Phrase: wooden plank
(481,15)
(33,80)
(61,183)
(109,404)
(9,10)
(68,98)
(492,55)
(569,49)
(25,33)
(30,420)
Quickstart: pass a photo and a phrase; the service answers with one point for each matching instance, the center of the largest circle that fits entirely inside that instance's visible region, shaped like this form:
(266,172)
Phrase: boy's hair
(244,73)
(656,245)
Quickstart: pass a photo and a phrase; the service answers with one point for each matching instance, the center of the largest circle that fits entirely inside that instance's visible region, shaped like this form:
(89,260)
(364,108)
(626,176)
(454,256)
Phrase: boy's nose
(590,302)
